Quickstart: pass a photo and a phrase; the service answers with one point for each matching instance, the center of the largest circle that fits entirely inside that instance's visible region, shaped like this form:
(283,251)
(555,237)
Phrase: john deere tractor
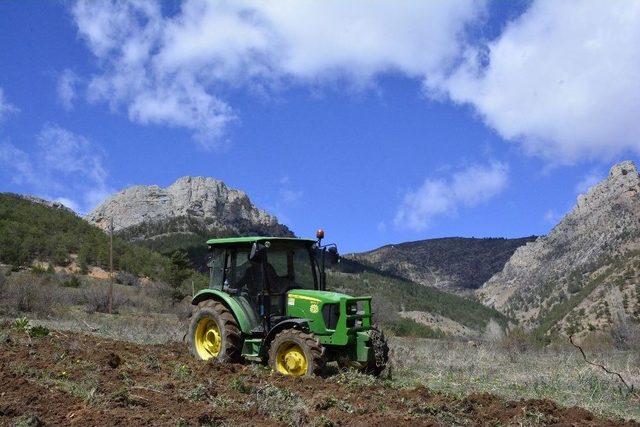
(267,301)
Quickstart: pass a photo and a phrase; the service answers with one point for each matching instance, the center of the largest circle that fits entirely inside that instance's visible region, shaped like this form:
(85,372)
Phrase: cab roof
(257,239)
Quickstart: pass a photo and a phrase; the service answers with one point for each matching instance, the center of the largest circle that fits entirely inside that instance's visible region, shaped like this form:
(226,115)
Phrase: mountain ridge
(576,278)
(453,264)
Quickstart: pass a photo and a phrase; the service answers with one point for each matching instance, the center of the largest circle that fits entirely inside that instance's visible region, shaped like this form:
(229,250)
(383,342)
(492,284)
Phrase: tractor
(267,302)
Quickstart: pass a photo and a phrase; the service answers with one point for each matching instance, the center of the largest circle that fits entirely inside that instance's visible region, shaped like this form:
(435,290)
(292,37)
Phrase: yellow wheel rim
(208,338)
(290,360)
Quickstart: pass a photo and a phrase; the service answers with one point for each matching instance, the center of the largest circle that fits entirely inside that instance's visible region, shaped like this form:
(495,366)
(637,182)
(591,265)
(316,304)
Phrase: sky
(380,121)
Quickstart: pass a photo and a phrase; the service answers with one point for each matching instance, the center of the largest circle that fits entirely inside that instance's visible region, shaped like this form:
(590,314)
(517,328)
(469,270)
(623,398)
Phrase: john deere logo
(314,308)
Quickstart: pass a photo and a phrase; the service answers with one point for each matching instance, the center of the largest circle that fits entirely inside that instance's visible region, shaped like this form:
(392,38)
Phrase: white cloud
(441,196)
(67,88)
(562,80)
(5,106)
(176,70)
(552,216)
(64,166)
(588,181)
(71,204)
(289,196)
(12,158)
(70,155)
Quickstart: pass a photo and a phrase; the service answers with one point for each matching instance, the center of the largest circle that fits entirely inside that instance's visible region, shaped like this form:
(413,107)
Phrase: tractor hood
(317,296)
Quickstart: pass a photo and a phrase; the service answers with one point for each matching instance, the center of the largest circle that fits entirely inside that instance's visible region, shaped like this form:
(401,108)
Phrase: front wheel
(214,333)
(296,353)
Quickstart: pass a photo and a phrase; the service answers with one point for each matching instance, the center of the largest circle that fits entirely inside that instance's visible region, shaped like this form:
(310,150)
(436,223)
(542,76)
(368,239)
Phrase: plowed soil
(74,379)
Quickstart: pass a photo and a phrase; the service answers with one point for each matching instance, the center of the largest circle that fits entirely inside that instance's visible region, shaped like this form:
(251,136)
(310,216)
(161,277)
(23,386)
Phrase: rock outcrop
(189,204)
(573,268)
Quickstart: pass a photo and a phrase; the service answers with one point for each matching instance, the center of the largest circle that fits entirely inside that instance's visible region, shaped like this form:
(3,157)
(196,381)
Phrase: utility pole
(110,306)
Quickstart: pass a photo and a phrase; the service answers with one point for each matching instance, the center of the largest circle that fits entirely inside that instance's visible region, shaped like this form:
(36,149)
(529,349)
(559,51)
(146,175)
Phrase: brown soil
(75,379)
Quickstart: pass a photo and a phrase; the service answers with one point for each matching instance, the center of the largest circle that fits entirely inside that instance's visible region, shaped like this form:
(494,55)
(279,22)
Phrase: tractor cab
(267,301)
(258,273)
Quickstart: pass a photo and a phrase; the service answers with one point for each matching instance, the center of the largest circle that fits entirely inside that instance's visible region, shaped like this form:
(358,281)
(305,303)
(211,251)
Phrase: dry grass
(152,328)
(142,313)
(558,373)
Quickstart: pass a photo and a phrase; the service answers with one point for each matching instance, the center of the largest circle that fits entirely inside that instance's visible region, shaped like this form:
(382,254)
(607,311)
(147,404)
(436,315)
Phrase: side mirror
(332,255)
(257,252)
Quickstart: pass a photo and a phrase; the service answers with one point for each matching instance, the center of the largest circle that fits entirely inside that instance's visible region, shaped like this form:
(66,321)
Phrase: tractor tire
(214,333)
(378,343)
(296,353)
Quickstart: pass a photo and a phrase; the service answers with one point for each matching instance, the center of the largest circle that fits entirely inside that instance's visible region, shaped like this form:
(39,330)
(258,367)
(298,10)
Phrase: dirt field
(75,379)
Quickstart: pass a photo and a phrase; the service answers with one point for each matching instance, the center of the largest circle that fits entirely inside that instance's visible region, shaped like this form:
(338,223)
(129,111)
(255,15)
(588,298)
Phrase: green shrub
(38,270)
(38,332)
(22,324)
(72,282)
(404,327)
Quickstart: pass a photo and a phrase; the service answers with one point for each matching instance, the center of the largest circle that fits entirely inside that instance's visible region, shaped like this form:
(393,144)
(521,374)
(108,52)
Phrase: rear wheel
(296,353)
(214,333)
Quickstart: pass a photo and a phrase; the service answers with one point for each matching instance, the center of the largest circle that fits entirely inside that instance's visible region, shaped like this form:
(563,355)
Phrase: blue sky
(381,122)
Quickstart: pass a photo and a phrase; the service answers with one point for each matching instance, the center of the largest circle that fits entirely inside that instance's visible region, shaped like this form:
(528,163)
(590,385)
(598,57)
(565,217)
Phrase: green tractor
(267,301)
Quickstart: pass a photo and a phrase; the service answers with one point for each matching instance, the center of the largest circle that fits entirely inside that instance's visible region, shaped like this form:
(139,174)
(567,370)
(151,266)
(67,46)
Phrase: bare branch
(584,356)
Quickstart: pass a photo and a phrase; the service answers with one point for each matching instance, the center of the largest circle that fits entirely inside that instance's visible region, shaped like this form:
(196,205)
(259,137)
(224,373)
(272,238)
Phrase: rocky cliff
(189,205)
(584,274)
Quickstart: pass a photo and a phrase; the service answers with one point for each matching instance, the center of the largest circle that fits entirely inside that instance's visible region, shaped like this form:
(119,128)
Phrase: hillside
(35,230)
(583,276)
(452,264)
(409,308)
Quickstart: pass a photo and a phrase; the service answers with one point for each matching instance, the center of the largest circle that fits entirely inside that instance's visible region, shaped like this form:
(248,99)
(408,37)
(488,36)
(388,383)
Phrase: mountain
(584,275)
(184,215)
(454,264)
(190,202)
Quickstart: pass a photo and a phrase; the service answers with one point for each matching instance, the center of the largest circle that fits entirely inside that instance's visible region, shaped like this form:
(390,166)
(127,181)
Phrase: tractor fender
(229,302)
(301,324)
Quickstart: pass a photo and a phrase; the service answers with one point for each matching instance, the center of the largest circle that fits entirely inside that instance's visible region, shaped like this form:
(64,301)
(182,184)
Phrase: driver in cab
(251,279)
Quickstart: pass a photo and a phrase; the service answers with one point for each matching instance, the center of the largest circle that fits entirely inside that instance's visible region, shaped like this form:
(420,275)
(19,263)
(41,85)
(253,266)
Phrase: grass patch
(281,405)
(559,374)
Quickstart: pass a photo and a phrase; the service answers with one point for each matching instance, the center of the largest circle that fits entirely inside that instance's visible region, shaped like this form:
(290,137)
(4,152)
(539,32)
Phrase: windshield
(293,268)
